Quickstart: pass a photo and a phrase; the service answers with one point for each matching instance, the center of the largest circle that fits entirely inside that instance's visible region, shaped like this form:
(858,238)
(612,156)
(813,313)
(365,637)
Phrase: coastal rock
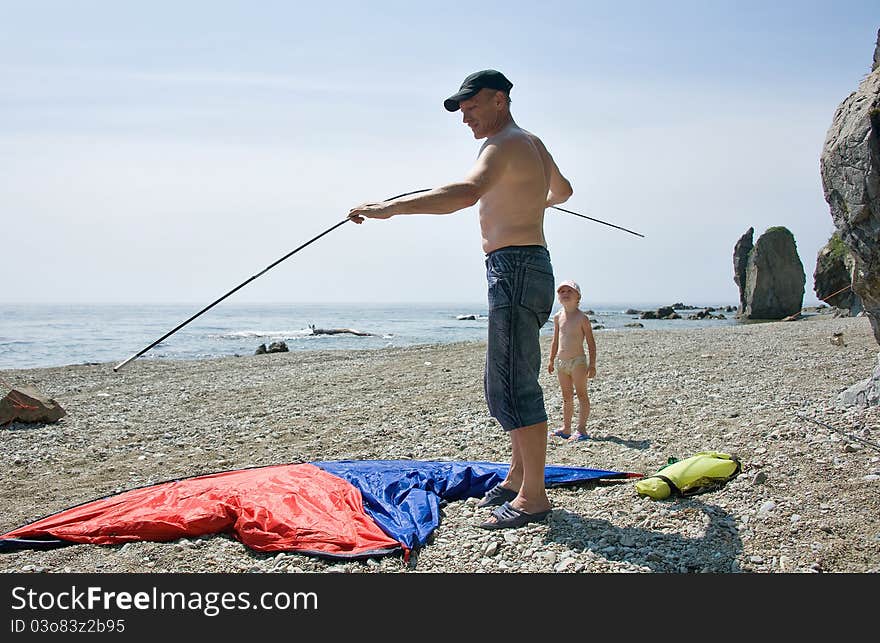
(772,286)
(865,393)
(832,279)
(741,252)
(703,314)
(274,347)
(27,404)
(876,64)
(664,312)
(850,170)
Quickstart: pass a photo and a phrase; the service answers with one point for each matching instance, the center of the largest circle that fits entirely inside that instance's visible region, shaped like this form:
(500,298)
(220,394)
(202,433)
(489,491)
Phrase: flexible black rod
(556,207)
(873,445)
(242,285)
(293,252)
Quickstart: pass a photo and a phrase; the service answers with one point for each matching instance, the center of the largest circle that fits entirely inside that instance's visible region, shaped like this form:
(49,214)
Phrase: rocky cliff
(850,170)
(832,279)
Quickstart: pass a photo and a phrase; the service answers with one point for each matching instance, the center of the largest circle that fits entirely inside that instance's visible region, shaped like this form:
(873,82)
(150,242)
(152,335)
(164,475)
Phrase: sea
(47,335)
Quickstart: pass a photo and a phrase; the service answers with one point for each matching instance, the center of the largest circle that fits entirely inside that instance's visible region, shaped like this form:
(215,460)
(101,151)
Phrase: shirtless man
(514,179)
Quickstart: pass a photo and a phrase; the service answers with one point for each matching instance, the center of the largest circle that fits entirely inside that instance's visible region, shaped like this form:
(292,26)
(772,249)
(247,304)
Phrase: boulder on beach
(864,393)
(27,404)
(274,347)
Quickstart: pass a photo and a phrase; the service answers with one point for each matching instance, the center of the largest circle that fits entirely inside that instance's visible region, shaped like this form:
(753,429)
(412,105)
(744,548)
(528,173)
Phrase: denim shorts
(520,299)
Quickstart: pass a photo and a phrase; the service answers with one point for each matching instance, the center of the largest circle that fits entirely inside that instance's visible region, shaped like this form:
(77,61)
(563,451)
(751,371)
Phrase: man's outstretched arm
(445,199)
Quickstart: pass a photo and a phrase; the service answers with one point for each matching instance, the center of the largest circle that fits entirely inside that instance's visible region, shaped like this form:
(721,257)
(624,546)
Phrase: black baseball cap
(485,79)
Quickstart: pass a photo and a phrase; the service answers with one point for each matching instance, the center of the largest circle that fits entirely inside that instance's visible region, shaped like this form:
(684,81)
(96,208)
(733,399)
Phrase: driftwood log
(337,331)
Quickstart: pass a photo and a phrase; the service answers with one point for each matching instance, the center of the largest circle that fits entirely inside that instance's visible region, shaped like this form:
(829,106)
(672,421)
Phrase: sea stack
(769,274)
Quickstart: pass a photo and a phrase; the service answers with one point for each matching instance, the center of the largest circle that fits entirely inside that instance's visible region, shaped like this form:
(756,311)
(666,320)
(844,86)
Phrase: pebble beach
(807,500)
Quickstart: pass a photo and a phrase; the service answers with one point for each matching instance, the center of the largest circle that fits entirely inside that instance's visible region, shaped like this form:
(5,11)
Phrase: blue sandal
(559,433)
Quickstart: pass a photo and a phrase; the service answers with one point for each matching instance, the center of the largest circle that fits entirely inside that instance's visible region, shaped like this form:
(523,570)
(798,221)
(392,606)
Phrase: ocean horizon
(39,335)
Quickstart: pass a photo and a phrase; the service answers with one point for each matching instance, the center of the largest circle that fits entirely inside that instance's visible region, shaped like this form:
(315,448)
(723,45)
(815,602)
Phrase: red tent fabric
(295,507)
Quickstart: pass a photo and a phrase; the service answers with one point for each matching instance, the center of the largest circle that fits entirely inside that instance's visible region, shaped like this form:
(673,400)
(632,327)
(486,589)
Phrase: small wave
(250,334)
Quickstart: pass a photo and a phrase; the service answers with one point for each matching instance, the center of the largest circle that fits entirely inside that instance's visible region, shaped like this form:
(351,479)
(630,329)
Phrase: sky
(167,152)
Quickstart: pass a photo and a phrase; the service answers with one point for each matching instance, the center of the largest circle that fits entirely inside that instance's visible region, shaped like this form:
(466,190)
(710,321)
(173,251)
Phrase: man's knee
(538,427)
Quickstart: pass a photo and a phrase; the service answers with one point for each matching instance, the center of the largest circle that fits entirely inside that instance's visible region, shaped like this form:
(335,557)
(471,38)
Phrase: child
(571,328)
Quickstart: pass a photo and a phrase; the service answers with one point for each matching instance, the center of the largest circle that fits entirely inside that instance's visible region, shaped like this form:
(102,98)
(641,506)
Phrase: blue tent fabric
(404,497)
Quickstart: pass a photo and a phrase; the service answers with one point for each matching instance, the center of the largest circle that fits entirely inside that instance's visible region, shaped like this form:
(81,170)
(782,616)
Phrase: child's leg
(579,379)
(567,386)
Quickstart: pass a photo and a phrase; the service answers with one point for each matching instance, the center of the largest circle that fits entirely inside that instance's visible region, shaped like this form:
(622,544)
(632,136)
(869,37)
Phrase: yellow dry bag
(701,472)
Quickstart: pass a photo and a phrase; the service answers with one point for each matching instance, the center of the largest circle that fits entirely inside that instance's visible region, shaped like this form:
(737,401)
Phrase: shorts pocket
(499,295)
(537,291)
